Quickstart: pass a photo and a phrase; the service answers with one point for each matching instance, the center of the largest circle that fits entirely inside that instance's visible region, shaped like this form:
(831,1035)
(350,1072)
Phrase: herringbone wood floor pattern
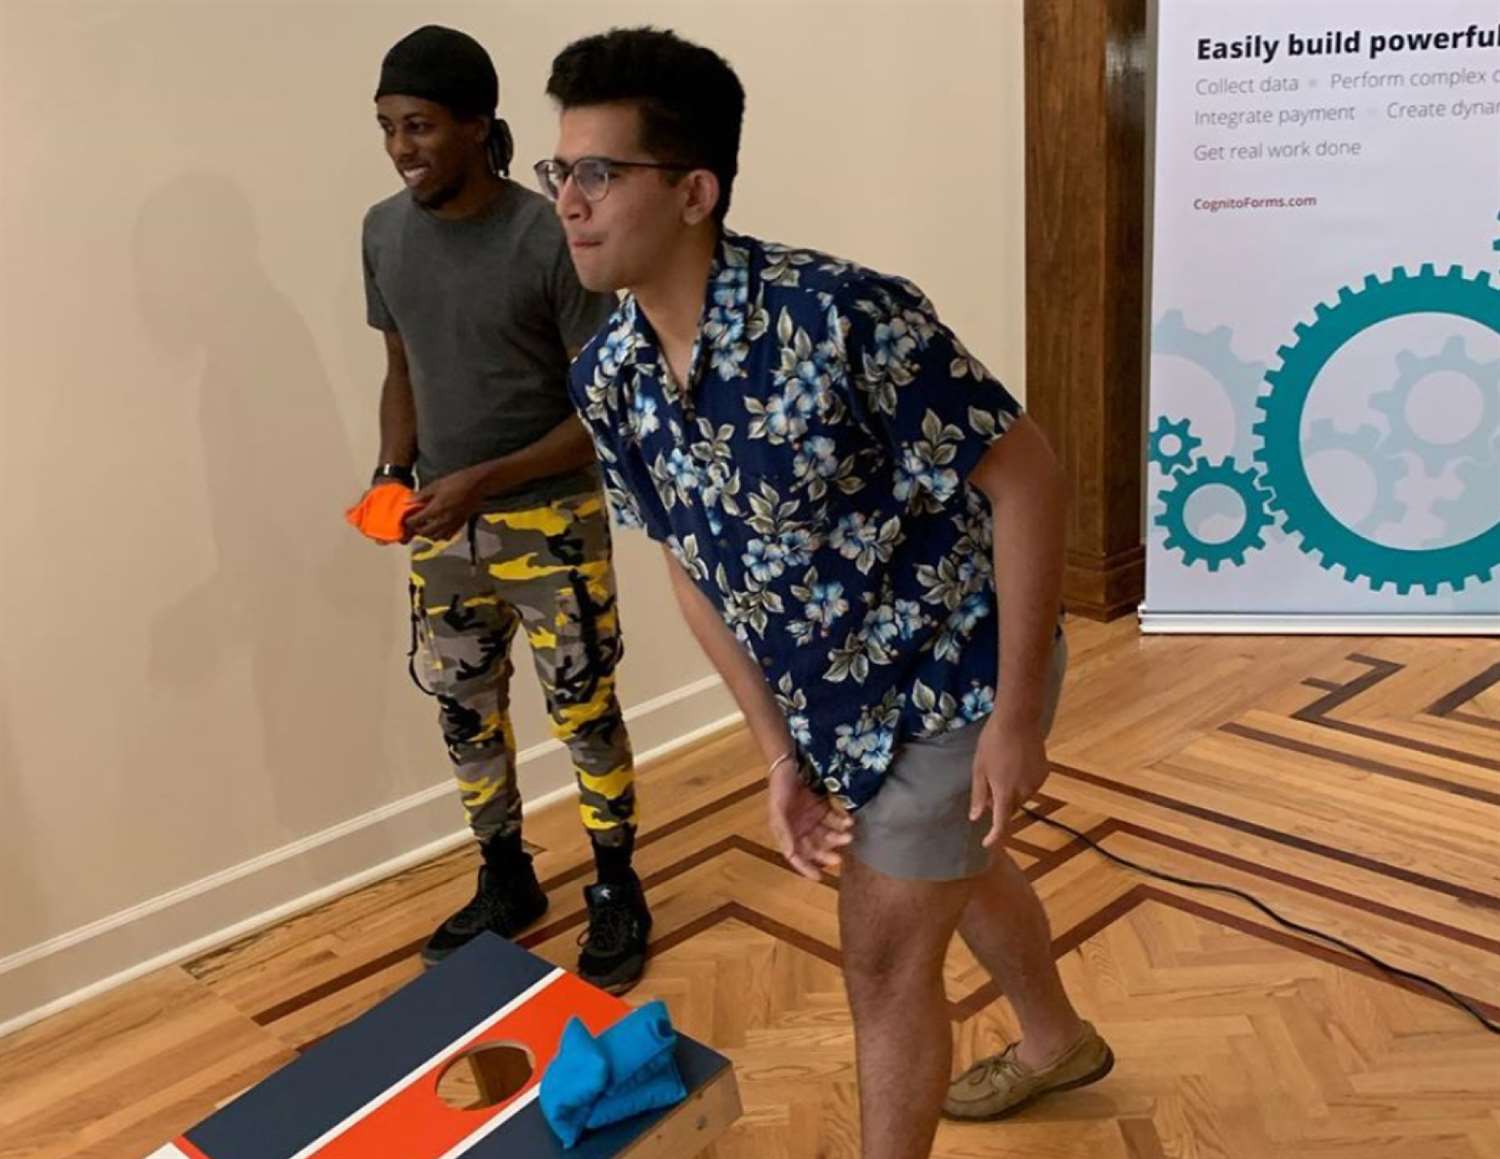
(1353,785)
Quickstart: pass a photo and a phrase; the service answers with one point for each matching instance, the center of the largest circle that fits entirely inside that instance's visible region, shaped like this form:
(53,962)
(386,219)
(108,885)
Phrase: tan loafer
(1000,1085)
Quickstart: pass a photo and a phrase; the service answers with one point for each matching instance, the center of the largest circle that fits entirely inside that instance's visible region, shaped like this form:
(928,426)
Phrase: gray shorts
(917,826)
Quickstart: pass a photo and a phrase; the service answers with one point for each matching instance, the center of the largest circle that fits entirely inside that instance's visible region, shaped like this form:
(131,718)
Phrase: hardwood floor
(1353,785)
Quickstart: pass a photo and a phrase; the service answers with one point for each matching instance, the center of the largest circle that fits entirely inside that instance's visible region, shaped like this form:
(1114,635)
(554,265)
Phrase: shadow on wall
(295,594)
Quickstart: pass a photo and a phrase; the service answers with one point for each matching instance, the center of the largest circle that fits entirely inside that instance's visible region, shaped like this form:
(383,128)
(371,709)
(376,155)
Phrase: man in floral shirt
(823,462)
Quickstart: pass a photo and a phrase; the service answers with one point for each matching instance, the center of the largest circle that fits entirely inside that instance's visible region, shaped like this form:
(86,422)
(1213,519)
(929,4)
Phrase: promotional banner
(1324,419)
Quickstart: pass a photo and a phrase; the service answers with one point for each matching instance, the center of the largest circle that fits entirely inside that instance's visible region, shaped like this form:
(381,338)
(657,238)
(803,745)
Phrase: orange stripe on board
(417,1124)
(185,1145)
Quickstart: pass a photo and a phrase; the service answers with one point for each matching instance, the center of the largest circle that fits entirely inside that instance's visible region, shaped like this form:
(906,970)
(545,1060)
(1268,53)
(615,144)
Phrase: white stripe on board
(417,1072)
(496,1123)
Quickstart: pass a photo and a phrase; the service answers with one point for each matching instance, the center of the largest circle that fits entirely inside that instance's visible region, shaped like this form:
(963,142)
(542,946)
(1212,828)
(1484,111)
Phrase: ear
(702,188)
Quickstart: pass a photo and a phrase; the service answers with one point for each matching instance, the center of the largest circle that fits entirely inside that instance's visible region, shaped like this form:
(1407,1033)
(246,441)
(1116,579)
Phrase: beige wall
(199,663)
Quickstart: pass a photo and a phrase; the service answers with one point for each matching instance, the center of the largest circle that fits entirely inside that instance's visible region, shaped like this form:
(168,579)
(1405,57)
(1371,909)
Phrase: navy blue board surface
(340,1076)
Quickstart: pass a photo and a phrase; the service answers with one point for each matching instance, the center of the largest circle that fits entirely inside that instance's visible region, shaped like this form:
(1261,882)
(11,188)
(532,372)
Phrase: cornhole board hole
(449,1066)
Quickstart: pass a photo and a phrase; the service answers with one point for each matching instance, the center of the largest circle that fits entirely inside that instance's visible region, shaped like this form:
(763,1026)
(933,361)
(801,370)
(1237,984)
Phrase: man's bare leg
(1006,928)
(895,935)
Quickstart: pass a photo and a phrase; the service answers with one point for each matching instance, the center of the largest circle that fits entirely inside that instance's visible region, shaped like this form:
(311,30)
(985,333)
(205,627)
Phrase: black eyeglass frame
(552,174)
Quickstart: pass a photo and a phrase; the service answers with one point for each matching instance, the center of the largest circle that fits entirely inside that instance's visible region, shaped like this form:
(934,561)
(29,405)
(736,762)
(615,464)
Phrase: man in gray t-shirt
(470,280)
(489,313)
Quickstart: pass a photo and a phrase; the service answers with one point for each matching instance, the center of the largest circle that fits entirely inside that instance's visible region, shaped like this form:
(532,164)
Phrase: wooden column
(1085,227)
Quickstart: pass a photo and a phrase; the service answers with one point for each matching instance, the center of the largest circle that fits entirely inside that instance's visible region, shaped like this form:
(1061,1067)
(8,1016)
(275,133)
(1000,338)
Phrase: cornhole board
(370,1091)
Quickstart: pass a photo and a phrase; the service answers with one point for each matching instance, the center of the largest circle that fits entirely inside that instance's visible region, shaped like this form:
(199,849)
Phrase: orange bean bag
(381,512)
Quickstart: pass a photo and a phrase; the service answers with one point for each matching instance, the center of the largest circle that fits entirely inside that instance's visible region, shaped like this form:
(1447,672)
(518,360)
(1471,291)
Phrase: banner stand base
(1312,624)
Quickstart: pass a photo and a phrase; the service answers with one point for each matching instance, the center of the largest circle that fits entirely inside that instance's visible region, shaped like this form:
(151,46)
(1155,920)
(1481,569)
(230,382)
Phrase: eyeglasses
(591,174)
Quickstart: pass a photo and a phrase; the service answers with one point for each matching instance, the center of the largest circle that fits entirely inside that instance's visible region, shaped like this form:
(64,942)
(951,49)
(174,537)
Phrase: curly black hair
(692,104)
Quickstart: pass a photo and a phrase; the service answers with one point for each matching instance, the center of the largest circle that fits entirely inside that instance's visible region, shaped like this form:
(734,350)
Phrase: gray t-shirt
(488,309)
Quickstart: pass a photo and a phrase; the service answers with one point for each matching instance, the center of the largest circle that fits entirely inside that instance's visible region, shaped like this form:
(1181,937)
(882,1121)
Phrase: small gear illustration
(1234,549)
(1387,469)
(1171,444)
(1414,368)
(1213,352)
(1280,453)
(1213,505)
(1478,505)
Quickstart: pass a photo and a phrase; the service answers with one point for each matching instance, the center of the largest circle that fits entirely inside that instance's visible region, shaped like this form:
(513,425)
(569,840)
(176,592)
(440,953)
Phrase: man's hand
(808,828)
(440,511)
(1010,765)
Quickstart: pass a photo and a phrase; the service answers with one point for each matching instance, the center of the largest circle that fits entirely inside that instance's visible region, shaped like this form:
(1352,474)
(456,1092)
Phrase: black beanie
(442,65)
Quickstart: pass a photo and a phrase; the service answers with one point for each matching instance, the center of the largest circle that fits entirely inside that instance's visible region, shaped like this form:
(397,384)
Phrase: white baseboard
(49,977)
(1210,624)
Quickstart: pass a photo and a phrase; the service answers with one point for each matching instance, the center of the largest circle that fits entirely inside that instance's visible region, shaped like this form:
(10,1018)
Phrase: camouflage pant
(546,569)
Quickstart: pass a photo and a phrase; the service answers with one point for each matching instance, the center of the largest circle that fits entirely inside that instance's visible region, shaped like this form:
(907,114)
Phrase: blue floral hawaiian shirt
(810,479)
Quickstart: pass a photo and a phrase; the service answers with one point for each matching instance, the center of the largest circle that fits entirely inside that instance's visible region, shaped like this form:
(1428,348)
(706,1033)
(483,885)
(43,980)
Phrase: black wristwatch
(395,472)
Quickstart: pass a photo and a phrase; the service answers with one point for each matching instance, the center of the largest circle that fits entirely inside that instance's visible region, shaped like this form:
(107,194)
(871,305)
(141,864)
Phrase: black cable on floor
(1395,971)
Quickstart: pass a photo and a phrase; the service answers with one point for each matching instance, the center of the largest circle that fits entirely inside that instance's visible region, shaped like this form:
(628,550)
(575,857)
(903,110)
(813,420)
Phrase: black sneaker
(504,903)
(614,945)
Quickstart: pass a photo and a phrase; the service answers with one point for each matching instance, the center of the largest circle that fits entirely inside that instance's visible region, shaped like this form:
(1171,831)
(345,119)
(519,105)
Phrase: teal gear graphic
(1280,453)
(1184,444)
(1213,352)
(1188,483)
(1414,368)
(1386,469)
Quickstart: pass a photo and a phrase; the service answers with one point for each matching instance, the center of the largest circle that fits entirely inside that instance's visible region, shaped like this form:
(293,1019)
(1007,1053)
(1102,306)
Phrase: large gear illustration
(1387,469)
(1280,454)
(1189,483)
(1171,444)
(1414,368)
(1213,352)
